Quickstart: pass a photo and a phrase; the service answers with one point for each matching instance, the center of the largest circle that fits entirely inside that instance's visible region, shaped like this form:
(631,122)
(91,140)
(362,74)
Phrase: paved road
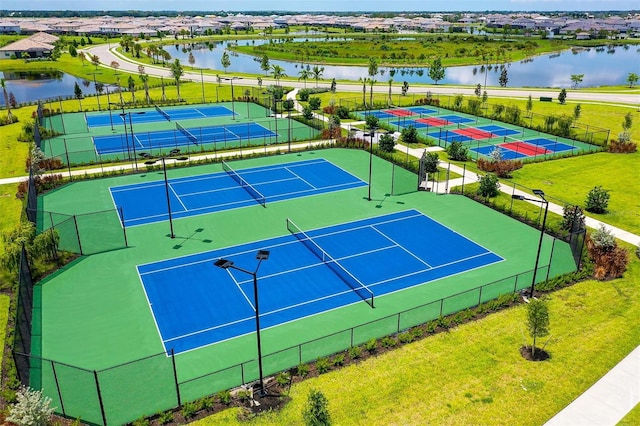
(107,55)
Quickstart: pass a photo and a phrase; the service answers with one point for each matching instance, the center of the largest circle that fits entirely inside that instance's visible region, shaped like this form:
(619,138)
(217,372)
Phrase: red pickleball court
(526,148)
(432,121)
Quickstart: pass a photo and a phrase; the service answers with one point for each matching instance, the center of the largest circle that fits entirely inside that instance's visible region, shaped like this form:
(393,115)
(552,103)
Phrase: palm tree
(277,72)
(390,83)
(131,84)
(317,72)
(6,100)
(363,80)
(176,73)
(372,81)
(304,75)
(144,78)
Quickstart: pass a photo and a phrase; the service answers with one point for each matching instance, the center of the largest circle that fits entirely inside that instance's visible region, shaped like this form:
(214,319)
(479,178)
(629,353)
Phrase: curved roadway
(108,54)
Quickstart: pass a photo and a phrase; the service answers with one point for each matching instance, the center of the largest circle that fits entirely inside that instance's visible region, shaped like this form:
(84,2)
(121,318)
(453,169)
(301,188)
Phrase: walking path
(609,399)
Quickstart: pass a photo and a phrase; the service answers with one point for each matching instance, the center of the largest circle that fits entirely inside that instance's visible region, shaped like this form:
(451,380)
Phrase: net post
(104,416)
(124,228)
(175,377)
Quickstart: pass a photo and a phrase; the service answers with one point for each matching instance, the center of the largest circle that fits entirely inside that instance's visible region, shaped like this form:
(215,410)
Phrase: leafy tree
(316,410)
(115,65)
(431,162)
(457,102)
(489,186)
(498,109)
(503,79)
(436,71)
(495,155)
(32,408)
(627,122)
(82,57)
(225,61)
(457,151)
(95,60)
(131,84)
(576,79)
(409,135)
(77,92)
(177,72)
(478,90)
(485,97)
(632,79)
(372,122)
(405,88)
(537,321)
(386,143)
(529,105)
(577,110)
(73,51)
(597,200)
(307,112)
(264,64)
(562,97)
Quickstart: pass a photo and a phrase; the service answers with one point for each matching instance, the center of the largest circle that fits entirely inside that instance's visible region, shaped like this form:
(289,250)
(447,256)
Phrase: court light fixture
(539,193)
(228,264)
(372,133)
(151,160)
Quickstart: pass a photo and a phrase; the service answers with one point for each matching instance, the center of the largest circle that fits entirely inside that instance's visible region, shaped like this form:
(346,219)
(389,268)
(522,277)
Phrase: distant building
(39,45)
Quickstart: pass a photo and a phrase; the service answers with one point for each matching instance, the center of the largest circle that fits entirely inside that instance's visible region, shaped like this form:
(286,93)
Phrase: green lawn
(474,374)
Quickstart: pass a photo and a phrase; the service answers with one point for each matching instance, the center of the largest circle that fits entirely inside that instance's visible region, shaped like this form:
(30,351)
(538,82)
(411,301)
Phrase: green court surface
(75,146)
(92,318)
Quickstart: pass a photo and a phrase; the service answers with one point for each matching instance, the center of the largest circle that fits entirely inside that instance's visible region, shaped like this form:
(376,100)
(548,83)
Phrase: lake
(29,86)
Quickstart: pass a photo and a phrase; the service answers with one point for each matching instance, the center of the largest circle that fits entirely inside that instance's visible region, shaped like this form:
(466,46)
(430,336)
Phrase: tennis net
(358,287)
(187,133)
(163,113)
(244,184)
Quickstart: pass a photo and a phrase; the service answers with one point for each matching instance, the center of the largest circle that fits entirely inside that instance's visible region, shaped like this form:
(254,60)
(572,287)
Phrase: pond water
(29,86)
(600,66)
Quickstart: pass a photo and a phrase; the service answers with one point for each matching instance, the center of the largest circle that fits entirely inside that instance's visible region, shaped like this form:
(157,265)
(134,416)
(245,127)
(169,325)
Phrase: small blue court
(449,136)
(146,203)
(151,116)
(498,130)
(550,144)
(113,144)
(196,304)
(507,154)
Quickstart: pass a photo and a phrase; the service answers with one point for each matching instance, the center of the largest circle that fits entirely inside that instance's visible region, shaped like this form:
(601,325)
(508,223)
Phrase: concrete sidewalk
(608,400)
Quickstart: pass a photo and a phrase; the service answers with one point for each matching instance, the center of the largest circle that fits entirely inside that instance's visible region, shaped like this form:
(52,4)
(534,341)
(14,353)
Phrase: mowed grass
(4,318)
(474,374)
(571,179)
(633,418)
(13,153)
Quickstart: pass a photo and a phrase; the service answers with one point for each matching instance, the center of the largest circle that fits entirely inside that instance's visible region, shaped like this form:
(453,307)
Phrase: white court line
(299,177)
(144,289)
(178,197)
(400,246)
(241,291)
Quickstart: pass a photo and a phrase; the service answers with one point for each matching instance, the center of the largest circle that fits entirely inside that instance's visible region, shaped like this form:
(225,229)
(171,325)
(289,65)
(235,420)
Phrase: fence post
(464,173)
(75,222)
(55,378)
(124,228)
(104,416)
(553,245)
(175,376)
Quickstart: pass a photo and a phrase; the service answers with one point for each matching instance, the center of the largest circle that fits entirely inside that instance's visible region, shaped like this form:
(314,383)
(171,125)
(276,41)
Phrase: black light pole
(133,140)
(544,201)
(150,161)
(233,108)
(226,264)
(372,132)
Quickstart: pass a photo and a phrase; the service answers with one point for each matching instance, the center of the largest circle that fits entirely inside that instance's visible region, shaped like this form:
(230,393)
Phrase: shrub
(389,342)
(610,261)
(621,146)
(31,408)
(244,395)
(597,200)
(189,409)
(457,151)
(489,186)
(502,168)
(303,95)
(283,379)
(406,337)
(302,370)
(355,352)
(371,345)
(338,360)
(307,112)
(386,143)
(638,251)
(224,397)
(572,218)
(316,410)
(142,421)
(205,403)
(165,417)
(409,135)
(342,112)
(323,365)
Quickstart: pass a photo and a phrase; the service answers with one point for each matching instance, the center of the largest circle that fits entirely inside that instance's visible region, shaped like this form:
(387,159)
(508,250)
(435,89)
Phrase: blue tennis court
(379,114)
(456,119)
(150,116)
(203,194)
(384,254)
(449,136)
(498,130)
(422,110)
(407,123)
(112,144)
(550,144)
(507,154)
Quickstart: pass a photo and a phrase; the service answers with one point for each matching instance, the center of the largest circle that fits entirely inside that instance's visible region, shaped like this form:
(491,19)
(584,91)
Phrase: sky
(328,5)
